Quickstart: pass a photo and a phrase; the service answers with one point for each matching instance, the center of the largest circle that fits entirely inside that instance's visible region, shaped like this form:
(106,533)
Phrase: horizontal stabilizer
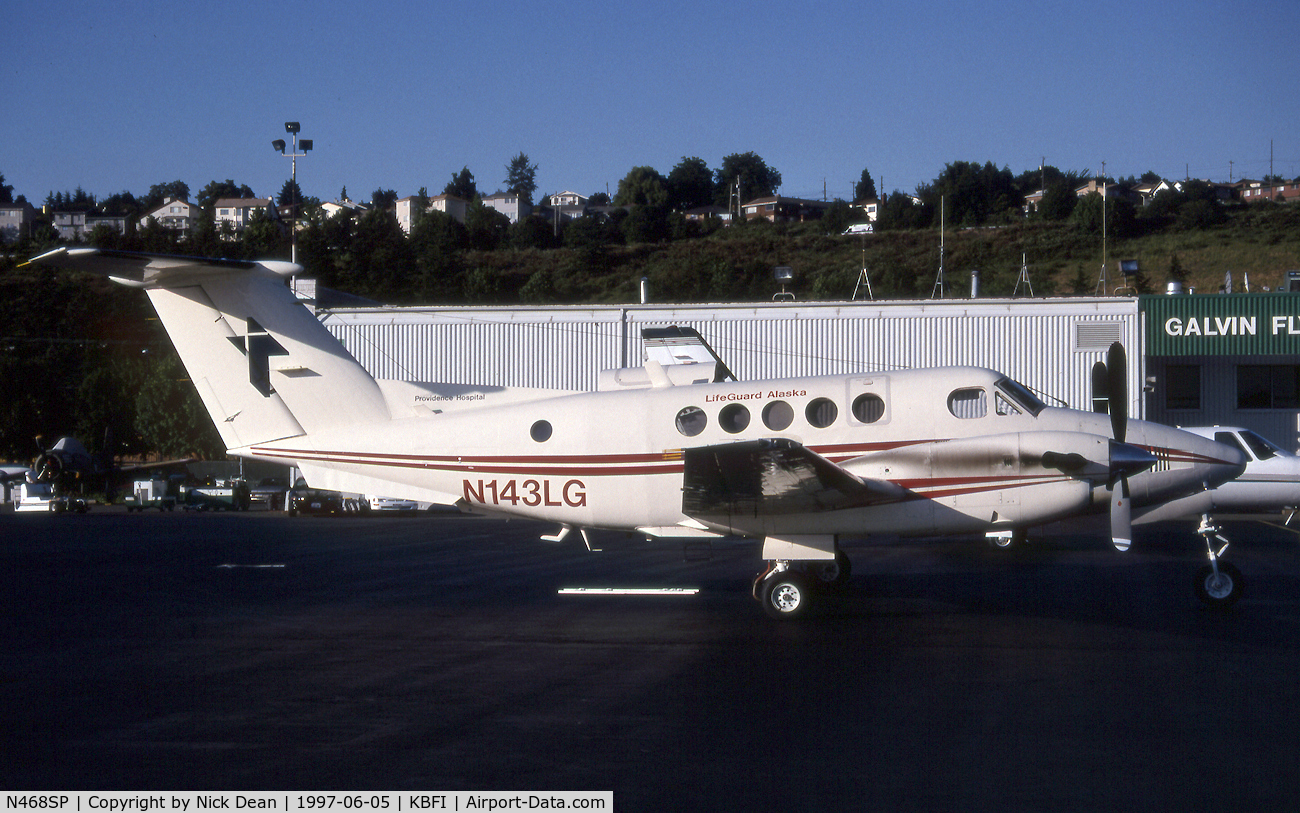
(139,270)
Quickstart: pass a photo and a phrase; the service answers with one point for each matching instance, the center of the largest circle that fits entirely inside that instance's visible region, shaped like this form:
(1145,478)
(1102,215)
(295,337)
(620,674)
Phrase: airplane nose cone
(1127,460)
(1226,463)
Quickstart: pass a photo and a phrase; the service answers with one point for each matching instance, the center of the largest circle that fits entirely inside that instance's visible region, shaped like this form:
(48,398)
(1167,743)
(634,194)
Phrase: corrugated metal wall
(1037,342)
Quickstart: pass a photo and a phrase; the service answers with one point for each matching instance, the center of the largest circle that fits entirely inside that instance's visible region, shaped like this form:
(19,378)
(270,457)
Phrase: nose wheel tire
(1221,591)
(784,596)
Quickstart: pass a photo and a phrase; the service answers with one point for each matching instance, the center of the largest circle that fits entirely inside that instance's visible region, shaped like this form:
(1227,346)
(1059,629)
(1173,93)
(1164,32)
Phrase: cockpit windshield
(1021,395)
(1262,447)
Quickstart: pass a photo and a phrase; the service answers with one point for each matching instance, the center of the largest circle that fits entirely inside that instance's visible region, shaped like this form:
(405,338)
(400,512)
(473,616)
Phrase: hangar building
(1229,359)
(1049,345)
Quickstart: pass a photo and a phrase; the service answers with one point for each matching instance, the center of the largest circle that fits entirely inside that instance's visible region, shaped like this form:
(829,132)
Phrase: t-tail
(263,364)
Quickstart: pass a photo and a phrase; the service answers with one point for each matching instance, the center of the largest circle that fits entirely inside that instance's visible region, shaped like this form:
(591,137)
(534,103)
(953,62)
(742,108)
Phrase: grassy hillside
(735,264)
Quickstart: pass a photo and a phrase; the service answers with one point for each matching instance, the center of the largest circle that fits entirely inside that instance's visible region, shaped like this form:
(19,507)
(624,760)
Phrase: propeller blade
(1099,402)
(1117,390)
(1121,519)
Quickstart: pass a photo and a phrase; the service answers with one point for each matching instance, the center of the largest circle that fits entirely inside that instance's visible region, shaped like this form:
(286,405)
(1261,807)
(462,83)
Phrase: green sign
(1222,324)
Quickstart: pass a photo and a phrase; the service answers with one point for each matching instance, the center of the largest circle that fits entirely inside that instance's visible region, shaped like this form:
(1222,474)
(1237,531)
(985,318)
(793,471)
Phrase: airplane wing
(772,476)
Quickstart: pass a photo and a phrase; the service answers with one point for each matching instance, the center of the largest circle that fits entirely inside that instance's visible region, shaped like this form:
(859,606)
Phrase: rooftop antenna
(1024,277)
(863,278)
(938,280)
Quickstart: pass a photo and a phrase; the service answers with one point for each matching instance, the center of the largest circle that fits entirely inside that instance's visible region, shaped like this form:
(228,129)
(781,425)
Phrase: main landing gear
(1219,583)
(785,588)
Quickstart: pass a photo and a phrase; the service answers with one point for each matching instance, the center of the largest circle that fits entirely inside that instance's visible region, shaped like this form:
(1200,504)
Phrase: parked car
(318,501)
(270,493)
(391,505)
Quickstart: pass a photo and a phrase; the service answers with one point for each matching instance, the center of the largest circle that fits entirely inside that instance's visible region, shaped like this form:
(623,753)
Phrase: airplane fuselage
(615,459)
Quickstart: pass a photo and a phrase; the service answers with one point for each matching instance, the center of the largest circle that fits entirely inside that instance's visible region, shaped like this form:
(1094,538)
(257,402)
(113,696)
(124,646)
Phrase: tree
(462,185)
(6,190)
(160,193)
(690,184)
(216,190)
(420,207)
(971,194)
(290,194)
(839,216)
(865,188)
(646,223)
(757,179)
(521,178)
(533,232)
(642,186)
(383,199)
(487,227)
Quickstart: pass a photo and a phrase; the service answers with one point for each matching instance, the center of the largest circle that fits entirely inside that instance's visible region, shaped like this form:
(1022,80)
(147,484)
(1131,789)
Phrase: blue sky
(399,95)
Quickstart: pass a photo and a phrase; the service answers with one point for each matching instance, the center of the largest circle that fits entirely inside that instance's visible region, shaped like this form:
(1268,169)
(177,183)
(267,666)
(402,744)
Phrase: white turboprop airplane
(667,451)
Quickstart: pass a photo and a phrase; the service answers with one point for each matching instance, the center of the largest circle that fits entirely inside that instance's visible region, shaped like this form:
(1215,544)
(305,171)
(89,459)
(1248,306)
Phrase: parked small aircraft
(666,451)
(1270,482)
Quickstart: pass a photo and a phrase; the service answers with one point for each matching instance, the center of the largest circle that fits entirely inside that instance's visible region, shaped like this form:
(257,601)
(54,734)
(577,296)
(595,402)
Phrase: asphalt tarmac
(258,652)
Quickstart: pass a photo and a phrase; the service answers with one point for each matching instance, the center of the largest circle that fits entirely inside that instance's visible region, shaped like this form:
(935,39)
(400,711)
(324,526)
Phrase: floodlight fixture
(293,128)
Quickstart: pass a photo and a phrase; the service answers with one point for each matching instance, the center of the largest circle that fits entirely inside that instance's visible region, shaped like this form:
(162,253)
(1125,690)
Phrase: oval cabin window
(868,408)
(691,421)
(821,412)
(968,403)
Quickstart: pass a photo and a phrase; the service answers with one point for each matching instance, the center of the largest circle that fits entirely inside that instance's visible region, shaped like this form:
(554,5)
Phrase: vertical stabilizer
(264,366)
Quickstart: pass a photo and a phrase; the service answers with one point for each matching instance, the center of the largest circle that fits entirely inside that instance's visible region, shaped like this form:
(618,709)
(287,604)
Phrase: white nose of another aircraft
(1186,462)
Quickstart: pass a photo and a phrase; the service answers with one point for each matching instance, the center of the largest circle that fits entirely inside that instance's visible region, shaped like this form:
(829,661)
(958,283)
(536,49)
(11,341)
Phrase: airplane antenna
(863,277)
(1101,281)
(1024,277)
(938,281)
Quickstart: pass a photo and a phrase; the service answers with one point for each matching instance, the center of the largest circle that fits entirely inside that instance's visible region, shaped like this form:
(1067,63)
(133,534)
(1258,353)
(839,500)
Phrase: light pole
(292,127)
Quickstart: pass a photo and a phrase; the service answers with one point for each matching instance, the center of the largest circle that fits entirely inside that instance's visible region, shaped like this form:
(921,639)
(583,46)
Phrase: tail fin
(264,366)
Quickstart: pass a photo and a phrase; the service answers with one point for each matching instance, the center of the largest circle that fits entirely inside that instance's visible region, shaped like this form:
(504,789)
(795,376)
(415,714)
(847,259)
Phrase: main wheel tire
(785,596)
(1222,592)
(834,573)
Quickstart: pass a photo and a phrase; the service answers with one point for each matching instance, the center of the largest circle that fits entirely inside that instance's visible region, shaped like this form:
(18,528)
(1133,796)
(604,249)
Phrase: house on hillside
(870,208)
(334,207)
(175,214)
(784,210)
(16,221)
(447,204)
(71,226)
(238,212)
(567,205)
(1256,191)
(115,222)
(704,212)
(1110,190)
(508,204)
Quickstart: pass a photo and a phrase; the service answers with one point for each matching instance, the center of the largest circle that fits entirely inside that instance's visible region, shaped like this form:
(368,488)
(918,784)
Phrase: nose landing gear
(1218,584)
